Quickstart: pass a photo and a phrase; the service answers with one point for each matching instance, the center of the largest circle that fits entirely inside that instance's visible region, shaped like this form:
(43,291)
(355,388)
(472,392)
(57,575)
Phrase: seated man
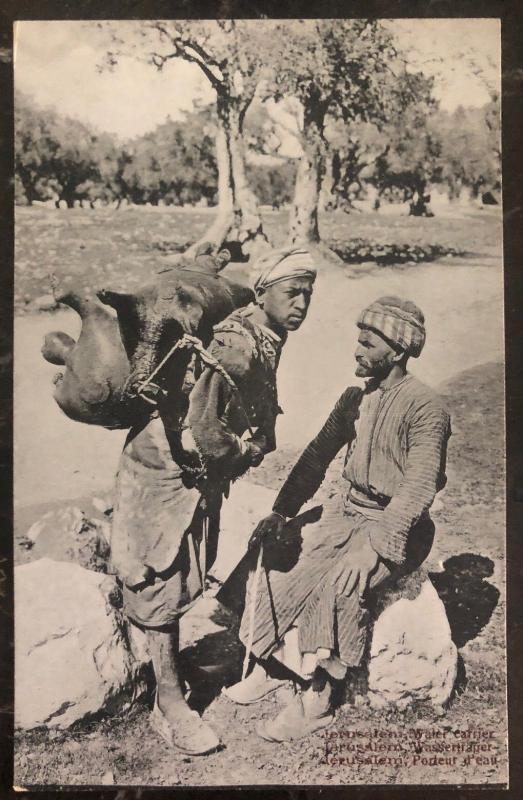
(313,618)
(170,483)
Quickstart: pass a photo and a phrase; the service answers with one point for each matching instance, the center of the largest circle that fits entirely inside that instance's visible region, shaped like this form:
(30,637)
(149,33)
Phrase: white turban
(282,265)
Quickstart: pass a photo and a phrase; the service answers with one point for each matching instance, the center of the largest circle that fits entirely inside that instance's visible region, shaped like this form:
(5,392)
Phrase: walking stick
(203,559)
(252,610)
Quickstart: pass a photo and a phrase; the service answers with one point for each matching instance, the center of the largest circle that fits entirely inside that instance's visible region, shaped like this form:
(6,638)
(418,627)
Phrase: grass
(122,249)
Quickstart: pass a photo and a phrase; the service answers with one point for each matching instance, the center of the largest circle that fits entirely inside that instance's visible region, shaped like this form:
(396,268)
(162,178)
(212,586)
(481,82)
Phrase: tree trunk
(329,199)
(28,186)
(303,218)
(223,222)
(238,218)
(303,221)
(419,206)
(247,221)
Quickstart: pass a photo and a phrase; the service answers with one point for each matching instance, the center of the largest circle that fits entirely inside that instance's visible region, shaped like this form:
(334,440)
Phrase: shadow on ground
(213,661)
(468,598)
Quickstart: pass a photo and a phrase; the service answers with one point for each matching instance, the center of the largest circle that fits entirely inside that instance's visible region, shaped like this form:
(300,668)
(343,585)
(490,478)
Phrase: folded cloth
(282,265)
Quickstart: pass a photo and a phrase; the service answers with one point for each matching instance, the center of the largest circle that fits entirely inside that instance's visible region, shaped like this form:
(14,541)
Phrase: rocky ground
(58,463)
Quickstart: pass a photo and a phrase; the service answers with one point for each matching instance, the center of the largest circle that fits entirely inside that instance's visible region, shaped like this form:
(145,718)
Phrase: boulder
(246,505)
(73,659)
(67,534)
(103,502)
(45,302)
(412,655)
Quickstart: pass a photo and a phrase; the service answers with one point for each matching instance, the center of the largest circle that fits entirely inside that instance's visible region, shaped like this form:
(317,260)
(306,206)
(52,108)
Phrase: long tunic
(158,516)
(396,452)
(395,463)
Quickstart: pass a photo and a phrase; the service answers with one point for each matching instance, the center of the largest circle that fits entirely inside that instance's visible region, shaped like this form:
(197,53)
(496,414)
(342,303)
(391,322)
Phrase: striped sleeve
(427,439)
(309,471)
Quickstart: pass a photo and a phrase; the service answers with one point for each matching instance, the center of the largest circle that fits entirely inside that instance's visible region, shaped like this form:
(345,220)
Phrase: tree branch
(182,47)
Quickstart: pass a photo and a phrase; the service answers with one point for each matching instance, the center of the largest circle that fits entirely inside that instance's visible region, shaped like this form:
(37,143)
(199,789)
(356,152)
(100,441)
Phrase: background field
(58,461)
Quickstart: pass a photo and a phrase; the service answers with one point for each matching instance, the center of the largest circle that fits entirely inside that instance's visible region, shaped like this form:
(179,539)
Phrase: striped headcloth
(282,265)
(400,321)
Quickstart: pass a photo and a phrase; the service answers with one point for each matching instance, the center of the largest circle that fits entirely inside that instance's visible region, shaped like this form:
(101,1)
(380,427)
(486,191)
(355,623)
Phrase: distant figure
(419,205)
(488,199)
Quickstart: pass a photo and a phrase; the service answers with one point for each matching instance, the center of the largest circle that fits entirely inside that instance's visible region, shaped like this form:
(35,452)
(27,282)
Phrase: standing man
(314,618)
(169,487)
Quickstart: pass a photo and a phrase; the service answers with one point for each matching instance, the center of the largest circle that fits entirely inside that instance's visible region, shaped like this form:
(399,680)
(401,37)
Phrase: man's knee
(156,604)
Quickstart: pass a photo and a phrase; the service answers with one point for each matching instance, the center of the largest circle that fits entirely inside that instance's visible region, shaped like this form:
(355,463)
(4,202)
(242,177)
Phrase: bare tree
(224,52)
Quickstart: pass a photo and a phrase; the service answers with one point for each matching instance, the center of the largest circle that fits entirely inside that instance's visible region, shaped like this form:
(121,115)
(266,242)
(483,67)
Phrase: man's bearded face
(374,355)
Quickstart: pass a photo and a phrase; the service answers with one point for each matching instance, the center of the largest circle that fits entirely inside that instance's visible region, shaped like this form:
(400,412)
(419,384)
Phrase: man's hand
(363,561)
(256,454)
(273,524)
(140,578)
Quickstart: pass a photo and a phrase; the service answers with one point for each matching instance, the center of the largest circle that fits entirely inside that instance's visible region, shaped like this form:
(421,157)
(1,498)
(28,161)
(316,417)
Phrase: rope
(252,611)
(194,344)
(180,343)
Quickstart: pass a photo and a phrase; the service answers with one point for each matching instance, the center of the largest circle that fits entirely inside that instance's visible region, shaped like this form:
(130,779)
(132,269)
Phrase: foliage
(56,156)
(272,183)
(412,160)
(430,146)
(362,116)
(353,150)
(175,163)
(345,70)
(222,49)
(470,152)
(226,53)
(358,251)
(60,158)
(35,149)
(334,66)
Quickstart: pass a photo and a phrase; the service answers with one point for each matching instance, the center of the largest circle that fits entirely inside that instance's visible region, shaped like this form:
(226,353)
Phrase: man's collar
(373,384)
(268,331)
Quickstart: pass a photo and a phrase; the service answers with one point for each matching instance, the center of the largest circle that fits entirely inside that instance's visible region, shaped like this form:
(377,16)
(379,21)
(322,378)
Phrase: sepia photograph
(259,434)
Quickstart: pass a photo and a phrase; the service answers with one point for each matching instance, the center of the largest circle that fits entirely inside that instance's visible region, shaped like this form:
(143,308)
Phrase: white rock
(107,778)
(103,502)
(45,302)
(71,518)
(412,657)
(71,645)
(66,534)
(246,505)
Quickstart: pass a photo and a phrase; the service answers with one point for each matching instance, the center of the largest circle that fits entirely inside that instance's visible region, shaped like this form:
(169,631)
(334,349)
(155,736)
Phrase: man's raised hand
(272,524)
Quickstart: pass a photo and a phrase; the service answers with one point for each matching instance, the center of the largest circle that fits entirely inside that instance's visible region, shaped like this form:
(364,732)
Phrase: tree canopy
(357,113)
